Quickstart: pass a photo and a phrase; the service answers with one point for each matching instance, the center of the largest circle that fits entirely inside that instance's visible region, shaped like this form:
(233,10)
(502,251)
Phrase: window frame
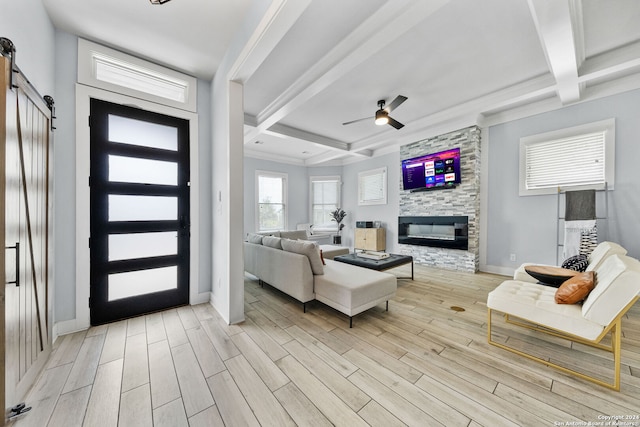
(285,197)
(606,126)
(328,226)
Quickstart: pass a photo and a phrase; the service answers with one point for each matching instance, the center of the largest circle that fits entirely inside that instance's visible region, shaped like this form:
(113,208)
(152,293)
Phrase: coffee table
(391,261)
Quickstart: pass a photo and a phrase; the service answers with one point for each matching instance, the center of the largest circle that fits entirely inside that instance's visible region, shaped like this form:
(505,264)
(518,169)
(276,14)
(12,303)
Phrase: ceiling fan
(382,115)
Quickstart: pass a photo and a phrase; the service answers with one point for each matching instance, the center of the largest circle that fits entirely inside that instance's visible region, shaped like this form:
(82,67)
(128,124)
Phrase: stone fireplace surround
(463,200)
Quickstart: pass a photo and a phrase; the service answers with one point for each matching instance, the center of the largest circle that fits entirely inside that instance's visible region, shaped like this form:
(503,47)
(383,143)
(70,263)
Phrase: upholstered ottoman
(332,251)
(351,289)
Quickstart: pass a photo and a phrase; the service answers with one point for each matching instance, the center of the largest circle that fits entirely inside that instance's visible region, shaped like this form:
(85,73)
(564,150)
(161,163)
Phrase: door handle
(17,248)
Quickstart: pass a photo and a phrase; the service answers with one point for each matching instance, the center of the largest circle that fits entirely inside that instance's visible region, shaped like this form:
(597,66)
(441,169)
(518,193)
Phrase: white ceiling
(459,62)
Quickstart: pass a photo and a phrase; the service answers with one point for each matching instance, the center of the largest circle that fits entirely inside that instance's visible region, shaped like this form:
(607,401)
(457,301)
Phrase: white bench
(617,289)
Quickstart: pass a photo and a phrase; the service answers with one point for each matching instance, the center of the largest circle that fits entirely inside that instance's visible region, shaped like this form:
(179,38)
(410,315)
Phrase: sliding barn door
(26,189)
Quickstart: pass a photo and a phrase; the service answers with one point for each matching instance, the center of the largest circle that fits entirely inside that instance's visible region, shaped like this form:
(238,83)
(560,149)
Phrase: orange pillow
(322,258)
(576,288)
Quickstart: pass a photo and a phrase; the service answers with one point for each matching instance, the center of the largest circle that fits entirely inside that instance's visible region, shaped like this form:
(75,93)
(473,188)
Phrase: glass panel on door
(142,171)
(142,133)
(136,283)
(142,208)
(142,245)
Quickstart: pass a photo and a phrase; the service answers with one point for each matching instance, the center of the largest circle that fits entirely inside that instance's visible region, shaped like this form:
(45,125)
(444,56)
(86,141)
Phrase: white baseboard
(66,327)
(200,298)
(504,271)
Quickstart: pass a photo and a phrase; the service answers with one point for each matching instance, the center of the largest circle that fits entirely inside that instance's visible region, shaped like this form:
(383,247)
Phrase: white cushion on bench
(351,289)
(536,303)
(617,283)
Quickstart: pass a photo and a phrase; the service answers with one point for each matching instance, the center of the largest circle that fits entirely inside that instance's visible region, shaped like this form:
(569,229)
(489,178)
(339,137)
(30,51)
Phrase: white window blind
(566,162)
(372,187)
(574,158)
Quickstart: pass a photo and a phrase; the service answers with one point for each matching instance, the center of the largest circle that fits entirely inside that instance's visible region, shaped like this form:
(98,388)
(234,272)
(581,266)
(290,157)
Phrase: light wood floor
(421,363)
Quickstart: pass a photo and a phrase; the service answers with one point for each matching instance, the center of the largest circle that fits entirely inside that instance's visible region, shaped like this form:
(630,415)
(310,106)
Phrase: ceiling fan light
(382,118)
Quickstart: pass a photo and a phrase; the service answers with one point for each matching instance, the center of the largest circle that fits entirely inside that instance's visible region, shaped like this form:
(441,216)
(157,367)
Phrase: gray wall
(387,214)
(298,189)
(526,226)
(204,170)
(65,177)
(27,25)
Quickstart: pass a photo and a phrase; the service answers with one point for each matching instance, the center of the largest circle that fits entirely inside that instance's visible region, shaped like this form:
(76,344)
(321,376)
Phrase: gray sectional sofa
(296,268)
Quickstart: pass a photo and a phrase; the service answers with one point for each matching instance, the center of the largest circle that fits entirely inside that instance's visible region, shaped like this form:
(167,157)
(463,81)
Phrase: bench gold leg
(614,329)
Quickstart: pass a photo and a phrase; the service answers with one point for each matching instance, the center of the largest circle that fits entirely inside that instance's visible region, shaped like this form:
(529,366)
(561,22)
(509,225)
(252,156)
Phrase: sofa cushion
(270,233)
(332,251)
(294,234)
(575,289)
(308,248)
(272,242)
(255,238)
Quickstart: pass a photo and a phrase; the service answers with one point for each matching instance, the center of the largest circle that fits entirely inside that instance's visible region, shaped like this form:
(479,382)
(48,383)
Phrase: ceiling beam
(276,22)
(333,155)
(554,21)
(386,25)
(287,131)
(627,58)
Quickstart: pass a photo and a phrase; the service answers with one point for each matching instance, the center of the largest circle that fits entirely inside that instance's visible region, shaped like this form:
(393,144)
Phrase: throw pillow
(294,234)
(576,288)
(576,263)
(272,242)
(588,240)
(254,238)
(308,248)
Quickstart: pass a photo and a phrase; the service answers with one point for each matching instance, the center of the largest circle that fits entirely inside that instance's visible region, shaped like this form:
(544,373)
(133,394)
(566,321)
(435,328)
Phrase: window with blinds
(575,158)
(372,187)
(325,198)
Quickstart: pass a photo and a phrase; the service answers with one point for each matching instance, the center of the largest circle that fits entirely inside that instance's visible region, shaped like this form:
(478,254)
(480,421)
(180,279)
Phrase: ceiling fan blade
(396,124)
(395,103)
(359,120)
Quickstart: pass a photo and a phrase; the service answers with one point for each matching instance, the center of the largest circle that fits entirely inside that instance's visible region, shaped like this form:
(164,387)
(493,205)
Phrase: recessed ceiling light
(258,142)
(306,152)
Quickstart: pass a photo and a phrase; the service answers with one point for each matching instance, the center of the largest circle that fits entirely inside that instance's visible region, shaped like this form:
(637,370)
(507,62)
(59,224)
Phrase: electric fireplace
(451,232)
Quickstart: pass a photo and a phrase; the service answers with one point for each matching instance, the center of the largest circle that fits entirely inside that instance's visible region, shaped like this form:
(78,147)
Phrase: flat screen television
(432,171)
